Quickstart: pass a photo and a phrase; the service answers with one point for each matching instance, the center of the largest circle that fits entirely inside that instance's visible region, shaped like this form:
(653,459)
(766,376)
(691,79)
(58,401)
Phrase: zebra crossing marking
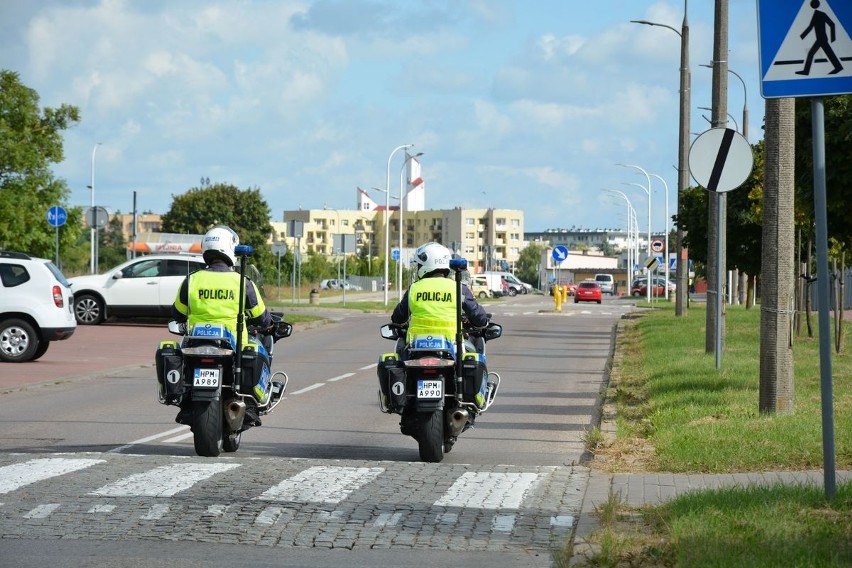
(42,511)
(321,484)
(163,481)
(485,490)
(155,513)
(18,475)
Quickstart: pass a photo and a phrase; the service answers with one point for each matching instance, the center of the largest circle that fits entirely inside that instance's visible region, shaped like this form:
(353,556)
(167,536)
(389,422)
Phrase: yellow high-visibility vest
(432,308)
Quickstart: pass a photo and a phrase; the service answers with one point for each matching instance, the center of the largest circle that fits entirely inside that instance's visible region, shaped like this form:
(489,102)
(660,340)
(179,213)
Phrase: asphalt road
(97,460)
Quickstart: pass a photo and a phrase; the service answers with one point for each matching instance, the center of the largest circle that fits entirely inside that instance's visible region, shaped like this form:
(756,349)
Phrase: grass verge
(677,413)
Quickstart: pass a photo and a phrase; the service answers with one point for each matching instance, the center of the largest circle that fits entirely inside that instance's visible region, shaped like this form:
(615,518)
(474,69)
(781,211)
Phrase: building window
(469,221)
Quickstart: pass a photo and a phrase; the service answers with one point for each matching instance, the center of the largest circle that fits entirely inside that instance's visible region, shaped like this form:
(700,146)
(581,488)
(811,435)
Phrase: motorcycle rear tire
(207,427)
(431,436)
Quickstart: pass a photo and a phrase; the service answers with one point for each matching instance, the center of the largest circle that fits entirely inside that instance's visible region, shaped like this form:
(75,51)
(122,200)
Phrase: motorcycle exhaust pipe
(235,412)
(458,420)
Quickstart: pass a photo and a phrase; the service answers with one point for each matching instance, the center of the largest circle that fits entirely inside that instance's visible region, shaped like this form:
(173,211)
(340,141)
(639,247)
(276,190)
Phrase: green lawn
(676,412)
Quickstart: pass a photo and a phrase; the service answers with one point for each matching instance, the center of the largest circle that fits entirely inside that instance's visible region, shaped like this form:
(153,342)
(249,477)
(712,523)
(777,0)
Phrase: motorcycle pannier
(169,363)
(474,374)
(390,371)
(255,375)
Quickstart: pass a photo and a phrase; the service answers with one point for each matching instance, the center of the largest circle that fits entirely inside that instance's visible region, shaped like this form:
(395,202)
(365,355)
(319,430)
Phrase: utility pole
(717,202)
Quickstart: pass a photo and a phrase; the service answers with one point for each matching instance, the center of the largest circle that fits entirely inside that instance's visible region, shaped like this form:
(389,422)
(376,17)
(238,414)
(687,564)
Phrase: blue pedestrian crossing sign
(805,47)
(560,253)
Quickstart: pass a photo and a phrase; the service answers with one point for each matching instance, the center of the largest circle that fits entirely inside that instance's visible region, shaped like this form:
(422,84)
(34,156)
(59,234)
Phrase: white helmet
(431,257)
(220,242)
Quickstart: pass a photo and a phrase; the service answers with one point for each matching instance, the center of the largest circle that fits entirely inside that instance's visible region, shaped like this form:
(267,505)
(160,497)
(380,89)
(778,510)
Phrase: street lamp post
(387,217)
(648,191)
(744,129)
(402,193)
(666,238)
(631,212)
(93,262)
(683,156)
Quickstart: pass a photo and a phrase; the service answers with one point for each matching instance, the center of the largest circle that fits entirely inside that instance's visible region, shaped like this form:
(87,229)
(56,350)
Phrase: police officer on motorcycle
(429,305)
(211,295)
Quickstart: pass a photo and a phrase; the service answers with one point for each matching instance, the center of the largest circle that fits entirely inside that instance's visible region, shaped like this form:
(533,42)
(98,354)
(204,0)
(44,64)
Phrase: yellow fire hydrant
(557,297)
(565,294)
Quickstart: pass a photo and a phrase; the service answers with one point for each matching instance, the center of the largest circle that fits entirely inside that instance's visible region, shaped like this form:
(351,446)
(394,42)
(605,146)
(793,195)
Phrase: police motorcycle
(440,384)
(221,395)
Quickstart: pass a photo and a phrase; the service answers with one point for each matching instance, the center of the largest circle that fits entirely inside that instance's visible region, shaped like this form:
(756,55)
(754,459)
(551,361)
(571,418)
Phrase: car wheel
(88,310)
(599,301)
(512,292)
(483,295)
(40,350)
(523,290)
(18,341)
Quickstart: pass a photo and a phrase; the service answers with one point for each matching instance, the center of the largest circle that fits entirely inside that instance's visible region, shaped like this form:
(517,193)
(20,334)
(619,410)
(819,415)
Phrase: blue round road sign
(57,216)
(560,253)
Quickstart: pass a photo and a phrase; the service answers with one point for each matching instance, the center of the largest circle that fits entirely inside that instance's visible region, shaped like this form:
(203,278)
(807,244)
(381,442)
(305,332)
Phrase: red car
(588,292)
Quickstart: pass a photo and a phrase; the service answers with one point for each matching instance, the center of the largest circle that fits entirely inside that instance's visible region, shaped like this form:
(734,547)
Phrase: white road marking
(120,449)
(387,520)
(341,377)
(373,366)
(18,475)
(321,484)
(155,513)
(42,511)
(484,490)
(164,481)
(503,523)
(180,438)
(268,516)
(310,388)
(562,521)
(102,509)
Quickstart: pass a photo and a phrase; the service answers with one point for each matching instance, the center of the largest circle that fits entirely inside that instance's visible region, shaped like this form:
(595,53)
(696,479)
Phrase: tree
(30,141)
(245,211)
(529,260)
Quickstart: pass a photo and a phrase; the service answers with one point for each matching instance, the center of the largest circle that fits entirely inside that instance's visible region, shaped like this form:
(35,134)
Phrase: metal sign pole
(823,293)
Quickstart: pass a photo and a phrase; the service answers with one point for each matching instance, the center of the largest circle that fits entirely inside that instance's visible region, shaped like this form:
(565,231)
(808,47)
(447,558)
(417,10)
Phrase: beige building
(487,238)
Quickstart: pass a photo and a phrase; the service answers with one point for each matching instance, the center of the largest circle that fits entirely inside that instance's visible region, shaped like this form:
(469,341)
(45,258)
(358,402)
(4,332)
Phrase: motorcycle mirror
(388,332)
(493,331)
(176,328)
(283,329)
(243,250)
(458,264)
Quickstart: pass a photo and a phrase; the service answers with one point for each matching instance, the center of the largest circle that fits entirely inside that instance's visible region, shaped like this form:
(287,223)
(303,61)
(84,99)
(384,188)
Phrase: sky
(526,104)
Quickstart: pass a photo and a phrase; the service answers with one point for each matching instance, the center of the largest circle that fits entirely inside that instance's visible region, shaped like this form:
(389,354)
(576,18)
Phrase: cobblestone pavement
(289,502)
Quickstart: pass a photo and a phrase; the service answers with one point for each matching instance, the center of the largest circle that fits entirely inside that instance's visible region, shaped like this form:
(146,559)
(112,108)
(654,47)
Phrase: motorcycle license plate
(205,378)
(430,389)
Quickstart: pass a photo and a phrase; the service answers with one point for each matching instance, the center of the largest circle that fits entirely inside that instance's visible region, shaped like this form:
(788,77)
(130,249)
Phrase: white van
(515,285)
(607,283)
(493,281)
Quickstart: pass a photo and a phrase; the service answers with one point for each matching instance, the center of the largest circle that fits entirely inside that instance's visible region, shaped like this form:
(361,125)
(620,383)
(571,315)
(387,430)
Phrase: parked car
(335,284)
(588,291)
(572,288)
(513,285)
(142,287)
(639,287)
(479,287)
(36,307)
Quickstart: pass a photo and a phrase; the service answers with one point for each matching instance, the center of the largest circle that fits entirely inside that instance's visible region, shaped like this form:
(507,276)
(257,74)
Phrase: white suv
(143,287)
(35,307)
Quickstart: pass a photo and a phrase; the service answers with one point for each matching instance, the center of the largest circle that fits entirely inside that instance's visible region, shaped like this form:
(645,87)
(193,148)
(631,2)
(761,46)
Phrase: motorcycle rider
(211,295)
(429,304)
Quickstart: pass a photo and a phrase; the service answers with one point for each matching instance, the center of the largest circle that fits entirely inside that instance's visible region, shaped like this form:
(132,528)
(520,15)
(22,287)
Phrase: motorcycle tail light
(57,297)
(429,362)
